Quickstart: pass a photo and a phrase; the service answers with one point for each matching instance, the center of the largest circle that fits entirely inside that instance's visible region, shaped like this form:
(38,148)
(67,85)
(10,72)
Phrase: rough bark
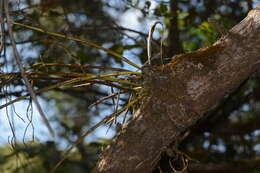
(179,93)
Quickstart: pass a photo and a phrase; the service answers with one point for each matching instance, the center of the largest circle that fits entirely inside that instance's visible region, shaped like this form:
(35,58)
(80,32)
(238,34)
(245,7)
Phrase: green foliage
(207,33)
(161,10)
(40,158)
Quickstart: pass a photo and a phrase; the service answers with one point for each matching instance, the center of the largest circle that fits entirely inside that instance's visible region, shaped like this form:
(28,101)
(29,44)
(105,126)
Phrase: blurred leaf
(161,10)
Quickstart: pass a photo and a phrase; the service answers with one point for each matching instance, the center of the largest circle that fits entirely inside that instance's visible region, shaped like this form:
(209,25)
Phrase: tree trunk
(174,32)
(179,93)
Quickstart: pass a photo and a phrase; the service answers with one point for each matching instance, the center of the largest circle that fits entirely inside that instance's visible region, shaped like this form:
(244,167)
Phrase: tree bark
(179,93)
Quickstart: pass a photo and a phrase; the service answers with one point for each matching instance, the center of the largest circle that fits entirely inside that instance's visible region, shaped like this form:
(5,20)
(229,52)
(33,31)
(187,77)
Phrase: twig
(105,98)
(1,27)
(119,27)
(24,76)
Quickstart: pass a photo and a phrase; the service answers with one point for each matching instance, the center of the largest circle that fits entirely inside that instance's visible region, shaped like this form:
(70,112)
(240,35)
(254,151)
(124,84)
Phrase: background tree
(61,59)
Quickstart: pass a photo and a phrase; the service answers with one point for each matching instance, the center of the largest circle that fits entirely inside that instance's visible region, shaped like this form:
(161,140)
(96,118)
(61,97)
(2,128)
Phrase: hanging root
(149,39)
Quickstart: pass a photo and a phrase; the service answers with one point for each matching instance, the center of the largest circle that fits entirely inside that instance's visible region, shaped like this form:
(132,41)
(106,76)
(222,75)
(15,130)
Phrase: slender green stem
(84,42)
(71,81)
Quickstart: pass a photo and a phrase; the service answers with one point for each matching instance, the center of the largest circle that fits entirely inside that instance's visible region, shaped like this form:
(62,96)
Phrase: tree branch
(179,94)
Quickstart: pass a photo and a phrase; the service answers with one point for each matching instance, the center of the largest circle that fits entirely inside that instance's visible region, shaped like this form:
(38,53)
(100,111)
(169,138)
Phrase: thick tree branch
(179,94)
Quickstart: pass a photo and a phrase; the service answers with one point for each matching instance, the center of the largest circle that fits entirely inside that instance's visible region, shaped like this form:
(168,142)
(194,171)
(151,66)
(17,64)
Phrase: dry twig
(21,68)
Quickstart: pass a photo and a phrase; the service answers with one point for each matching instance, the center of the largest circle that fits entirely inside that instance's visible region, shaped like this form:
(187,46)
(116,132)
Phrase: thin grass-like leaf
(107,83)
(129,99)
(113,99)
(117,104)
(120,81)
(74,66)
(69,82)
(84,42)
(114,120)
